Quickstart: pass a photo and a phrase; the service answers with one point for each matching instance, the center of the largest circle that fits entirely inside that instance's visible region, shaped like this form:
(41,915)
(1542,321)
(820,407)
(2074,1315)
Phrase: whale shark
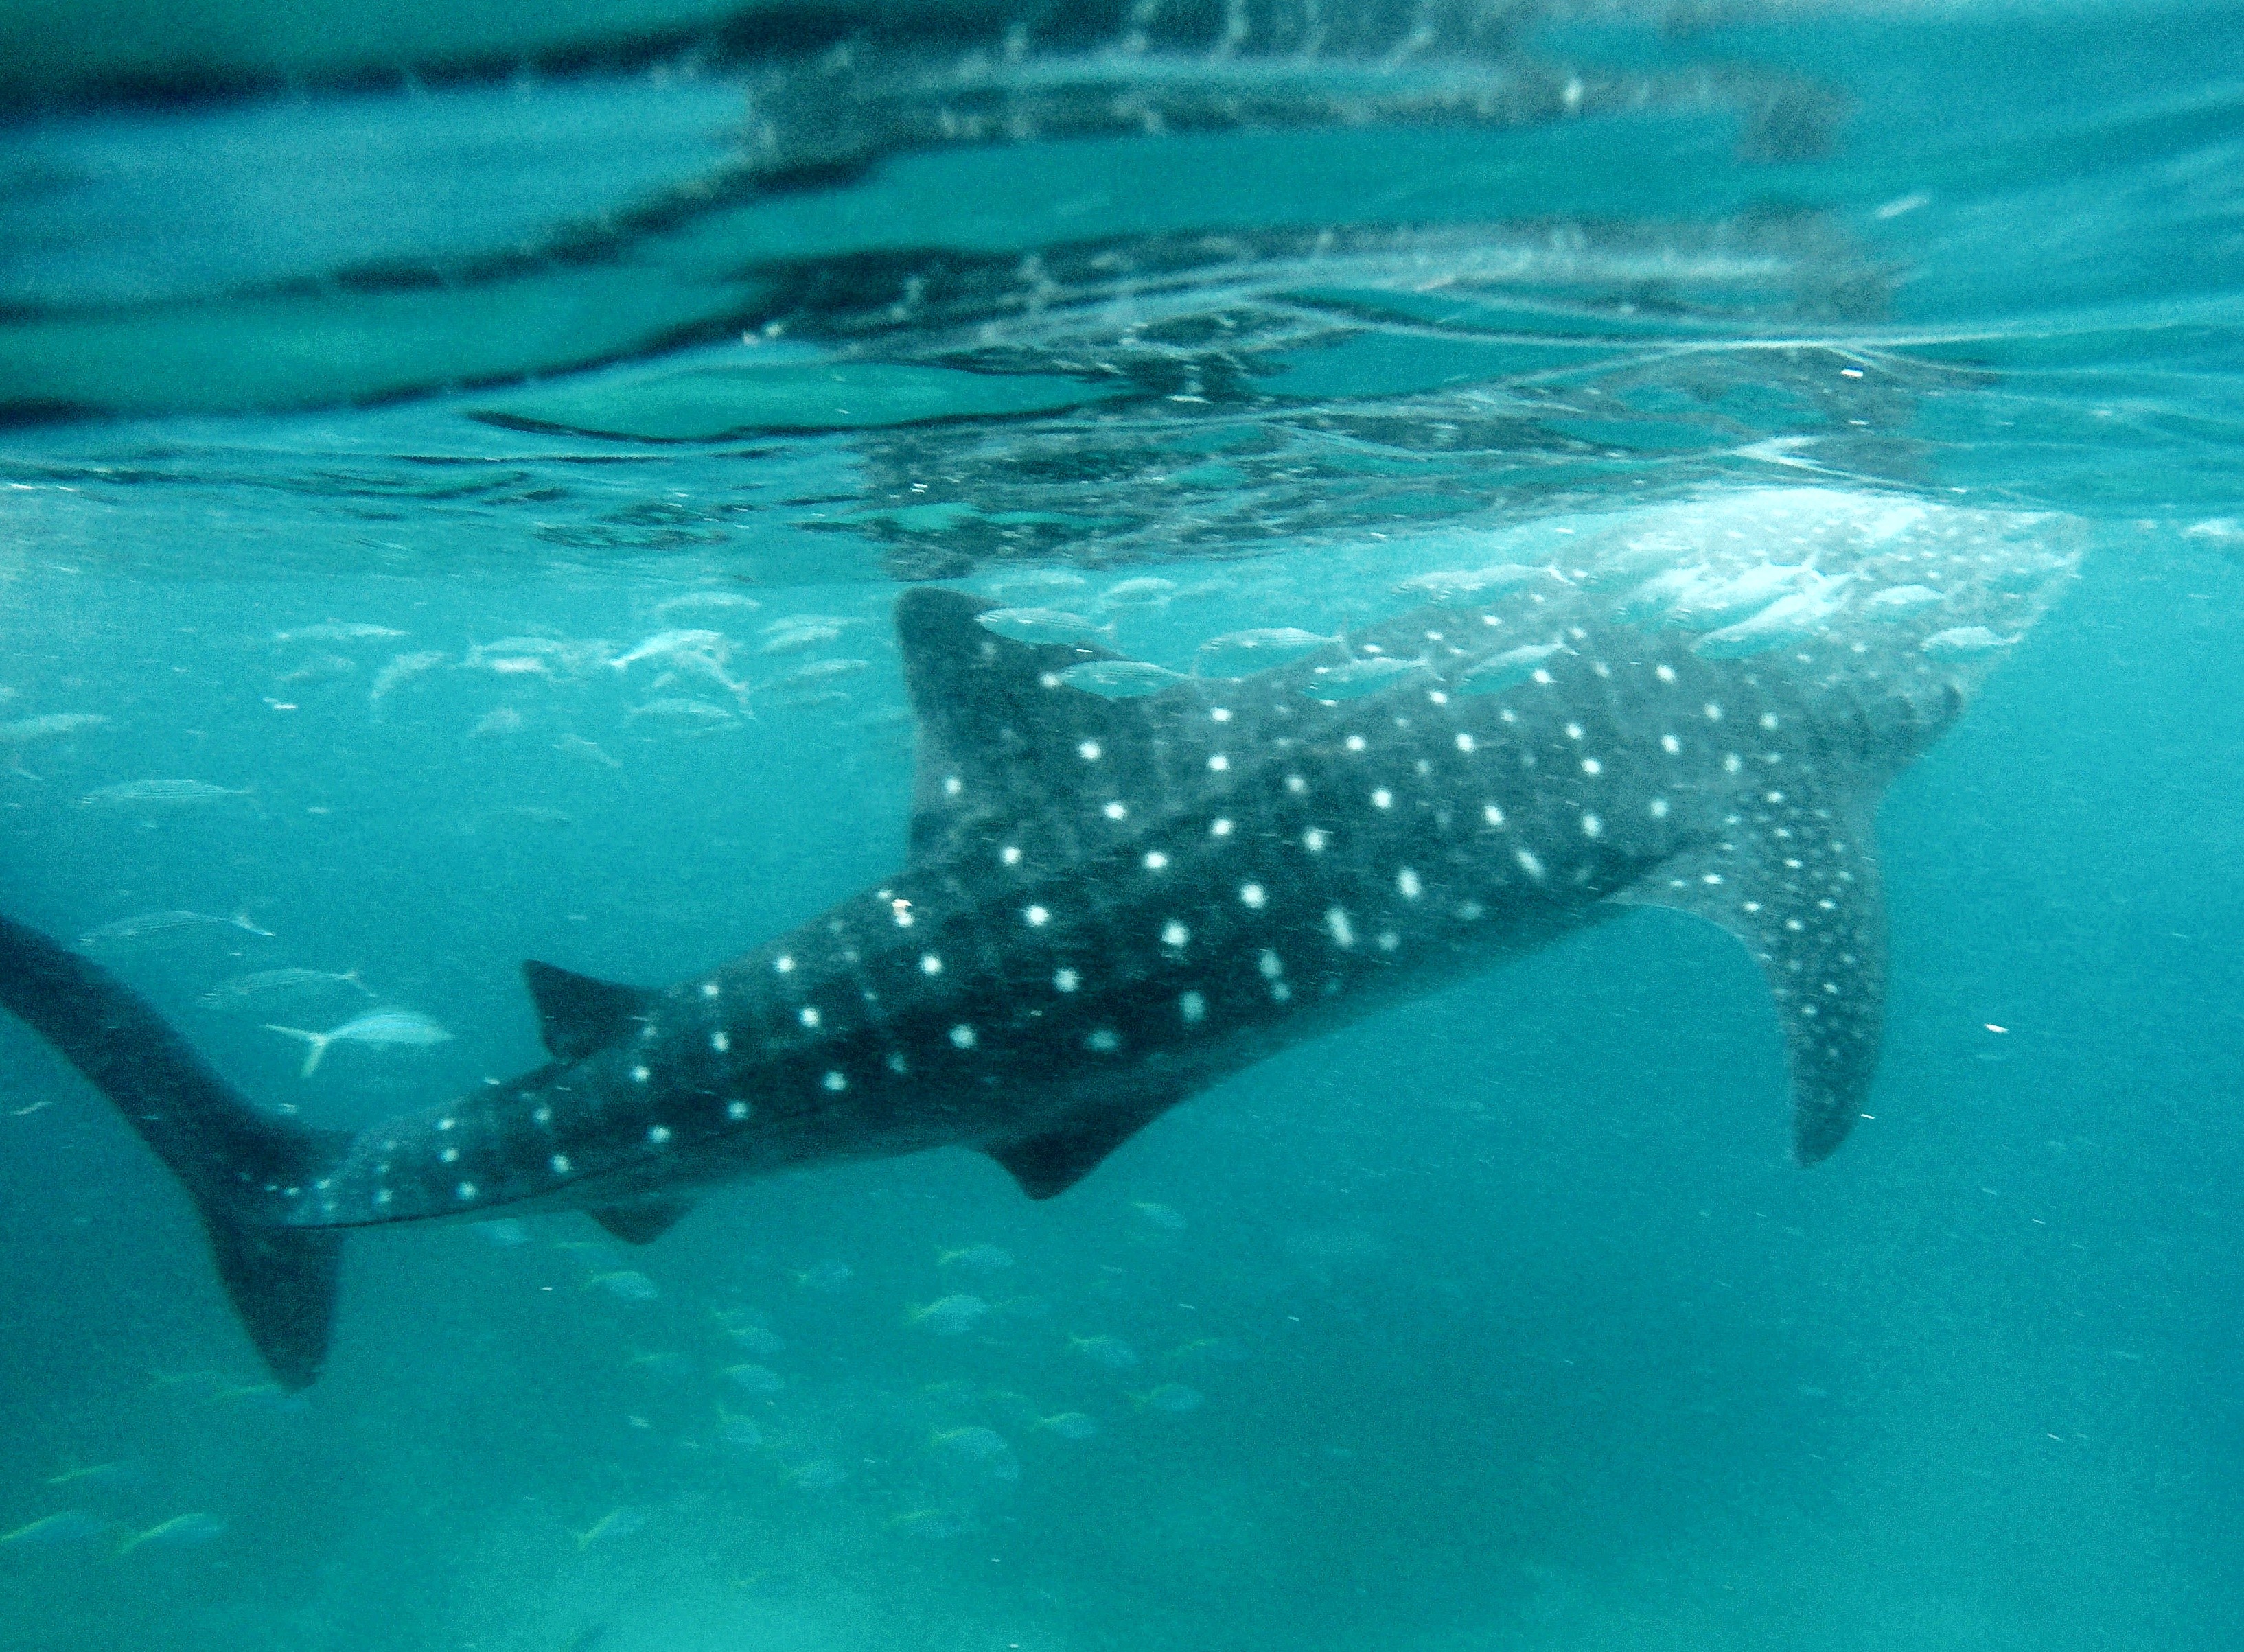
(1111,903)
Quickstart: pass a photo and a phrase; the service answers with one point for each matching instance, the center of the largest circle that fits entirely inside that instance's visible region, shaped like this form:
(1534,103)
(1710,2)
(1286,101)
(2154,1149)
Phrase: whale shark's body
(1111,903)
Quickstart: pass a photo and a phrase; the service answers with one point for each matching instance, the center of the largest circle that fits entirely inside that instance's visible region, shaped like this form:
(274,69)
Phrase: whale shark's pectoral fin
(577,1014)
(1048,1164)
(1798,883)
(642,1222)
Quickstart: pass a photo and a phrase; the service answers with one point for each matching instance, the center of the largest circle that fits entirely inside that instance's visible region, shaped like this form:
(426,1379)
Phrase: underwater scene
(1223,824)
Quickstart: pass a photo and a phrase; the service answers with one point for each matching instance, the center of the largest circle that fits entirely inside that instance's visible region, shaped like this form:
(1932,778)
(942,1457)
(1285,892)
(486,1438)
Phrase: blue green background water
(1512,1325)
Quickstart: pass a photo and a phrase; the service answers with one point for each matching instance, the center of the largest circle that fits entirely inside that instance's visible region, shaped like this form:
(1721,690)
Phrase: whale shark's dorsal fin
(994,723)
(577,1014)
(1795,876)
(642,1223)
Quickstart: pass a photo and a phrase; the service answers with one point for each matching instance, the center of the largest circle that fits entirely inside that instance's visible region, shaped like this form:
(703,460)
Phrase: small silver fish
(337,631)
(683,711)
(377,1029)
(1715,602)
(817,672)
(315,669)
(1964,642)
(1118,679)
(951,1315)
(662,644)
(266,990)
(53,727)
(1503,670)
(578,746)
(1445,584)
(160,794)
(732,600)
(1360,676)
(1651,603)
(1792,619)
(1150,590)
(496,724)
(402,668)
(799,639)
(1043,625)
(1904,597)
(150,928)
(1240,653)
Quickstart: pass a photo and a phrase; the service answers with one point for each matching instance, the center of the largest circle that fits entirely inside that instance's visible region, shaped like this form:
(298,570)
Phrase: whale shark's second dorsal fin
(577,1014)
(1796,879)
(1002,740)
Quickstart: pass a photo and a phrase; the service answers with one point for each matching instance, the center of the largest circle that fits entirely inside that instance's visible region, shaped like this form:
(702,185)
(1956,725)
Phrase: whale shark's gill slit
(1797,881)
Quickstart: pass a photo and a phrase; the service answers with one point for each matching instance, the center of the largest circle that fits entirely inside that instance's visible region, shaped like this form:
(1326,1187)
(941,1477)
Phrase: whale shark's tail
(227,1153)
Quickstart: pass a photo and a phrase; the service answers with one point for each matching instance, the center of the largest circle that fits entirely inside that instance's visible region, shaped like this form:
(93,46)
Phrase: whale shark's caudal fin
(226,1152)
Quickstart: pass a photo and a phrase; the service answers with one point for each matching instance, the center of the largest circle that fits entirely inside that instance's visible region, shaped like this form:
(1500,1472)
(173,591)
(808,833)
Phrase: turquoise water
(1501,1320)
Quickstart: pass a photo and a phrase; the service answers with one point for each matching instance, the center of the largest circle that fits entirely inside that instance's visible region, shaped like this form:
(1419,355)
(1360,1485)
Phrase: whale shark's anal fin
(226,1152)
(577,1014)
(1796,879)
(642,1222)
